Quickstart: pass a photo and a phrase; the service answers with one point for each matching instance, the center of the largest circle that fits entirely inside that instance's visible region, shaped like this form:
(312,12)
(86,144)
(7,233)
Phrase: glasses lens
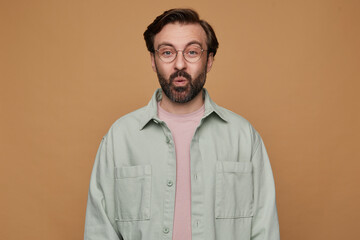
(167,54)
(192,53)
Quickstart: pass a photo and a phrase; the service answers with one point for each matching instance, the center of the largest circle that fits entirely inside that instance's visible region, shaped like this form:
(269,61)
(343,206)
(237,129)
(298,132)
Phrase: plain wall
(70,68)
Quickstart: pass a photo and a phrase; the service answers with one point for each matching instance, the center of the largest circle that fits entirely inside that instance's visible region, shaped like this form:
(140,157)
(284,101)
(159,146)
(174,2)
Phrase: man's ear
(210,62)
(153,64)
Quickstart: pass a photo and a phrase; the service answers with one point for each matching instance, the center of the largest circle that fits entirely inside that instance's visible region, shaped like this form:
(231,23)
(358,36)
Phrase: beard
(182,94)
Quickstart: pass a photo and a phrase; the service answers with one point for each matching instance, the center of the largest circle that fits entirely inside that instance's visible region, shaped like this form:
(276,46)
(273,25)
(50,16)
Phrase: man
(182,167)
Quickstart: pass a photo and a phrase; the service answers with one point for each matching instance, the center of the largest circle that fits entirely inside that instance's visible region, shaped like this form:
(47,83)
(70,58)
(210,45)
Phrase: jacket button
(166,230)
(170,183)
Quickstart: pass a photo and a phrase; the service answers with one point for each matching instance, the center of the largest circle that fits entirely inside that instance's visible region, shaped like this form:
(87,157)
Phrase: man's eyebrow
(194,42)
(171,45)
(165,44)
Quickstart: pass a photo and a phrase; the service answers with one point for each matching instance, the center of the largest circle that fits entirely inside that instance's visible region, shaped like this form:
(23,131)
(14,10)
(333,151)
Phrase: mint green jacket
(132,186)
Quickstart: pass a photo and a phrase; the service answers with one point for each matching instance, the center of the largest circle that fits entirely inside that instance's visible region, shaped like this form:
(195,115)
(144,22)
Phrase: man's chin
(180,95)
(181,89)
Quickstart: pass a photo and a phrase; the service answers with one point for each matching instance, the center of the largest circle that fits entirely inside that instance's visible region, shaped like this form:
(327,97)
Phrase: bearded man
(182,167)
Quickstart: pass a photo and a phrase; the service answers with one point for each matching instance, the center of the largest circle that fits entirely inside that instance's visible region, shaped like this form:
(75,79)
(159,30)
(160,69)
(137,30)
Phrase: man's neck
(182,108)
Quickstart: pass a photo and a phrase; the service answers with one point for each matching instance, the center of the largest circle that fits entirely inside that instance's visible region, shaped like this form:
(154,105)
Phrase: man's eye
(193,52)
(167,53)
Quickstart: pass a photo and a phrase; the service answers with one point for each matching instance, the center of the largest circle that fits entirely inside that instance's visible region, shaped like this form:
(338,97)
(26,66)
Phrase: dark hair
(180,15)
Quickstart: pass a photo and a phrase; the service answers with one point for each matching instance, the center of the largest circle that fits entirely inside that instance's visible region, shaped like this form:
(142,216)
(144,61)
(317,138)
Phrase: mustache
(180,73)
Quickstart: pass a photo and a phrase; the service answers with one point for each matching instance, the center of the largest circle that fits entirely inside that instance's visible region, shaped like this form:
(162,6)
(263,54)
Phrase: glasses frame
(182,50)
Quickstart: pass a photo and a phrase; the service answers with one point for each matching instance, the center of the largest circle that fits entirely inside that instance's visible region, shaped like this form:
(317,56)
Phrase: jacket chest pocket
(234,189)
(133,192)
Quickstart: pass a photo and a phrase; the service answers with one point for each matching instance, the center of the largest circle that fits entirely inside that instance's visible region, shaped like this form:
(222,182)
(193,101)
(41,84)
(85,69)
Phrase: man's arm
(265,224)
(100,220)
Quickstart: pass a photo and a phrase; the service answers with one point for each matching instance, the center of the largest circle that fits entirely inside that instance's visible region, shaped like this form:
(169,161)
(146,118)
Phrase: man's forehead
(180,34)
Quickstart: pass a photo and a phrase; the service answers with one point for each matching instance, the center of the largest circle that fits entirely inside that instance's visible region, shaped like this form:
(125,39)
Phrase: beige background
(69,69)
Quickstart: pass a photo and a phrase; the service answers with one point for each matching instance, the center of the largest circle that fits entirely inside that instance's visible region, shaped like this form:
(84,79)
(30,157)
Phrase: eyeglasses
(191,53)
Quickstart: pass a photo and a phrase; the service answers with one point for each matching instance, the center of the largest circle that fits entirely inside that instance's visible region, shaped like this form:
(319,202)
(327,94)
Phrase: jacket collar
(151,112)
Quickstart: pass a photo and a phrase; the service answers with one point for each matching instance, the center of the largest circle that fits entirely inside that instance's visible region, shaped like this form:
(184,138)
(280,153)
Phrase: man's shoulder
(130,120)
(233,118)
(238,124)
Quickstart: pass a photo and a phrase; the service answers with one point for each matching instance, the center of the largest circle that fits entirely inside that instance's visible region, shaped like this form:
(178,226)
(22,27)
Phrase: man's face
(180,80)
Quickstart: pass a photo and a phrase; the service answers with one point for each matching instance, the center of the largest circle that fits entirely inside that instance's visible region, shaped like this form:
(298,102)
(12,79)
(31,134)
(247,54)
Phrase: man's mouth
(180,81)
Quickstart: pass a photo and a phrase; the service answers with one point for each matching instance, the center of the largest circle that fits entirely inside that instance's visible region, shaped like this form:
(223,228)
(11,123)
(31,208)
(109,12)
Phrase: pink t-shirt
(182,127)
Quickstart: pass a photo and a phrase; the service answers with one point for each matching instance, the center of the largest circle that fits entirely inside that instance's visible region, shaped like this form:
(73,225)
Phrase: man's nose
(180,62)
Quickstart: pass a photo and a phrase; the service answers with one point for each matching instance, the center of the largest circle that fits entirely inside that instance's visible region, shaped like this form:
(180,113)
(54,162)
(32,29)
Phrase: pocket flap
(133,171)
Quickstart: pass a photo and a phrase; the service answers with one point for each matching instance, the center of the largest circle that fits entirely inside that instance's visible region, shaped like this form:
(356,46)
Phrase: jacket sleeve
(100,212)
(265,224)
